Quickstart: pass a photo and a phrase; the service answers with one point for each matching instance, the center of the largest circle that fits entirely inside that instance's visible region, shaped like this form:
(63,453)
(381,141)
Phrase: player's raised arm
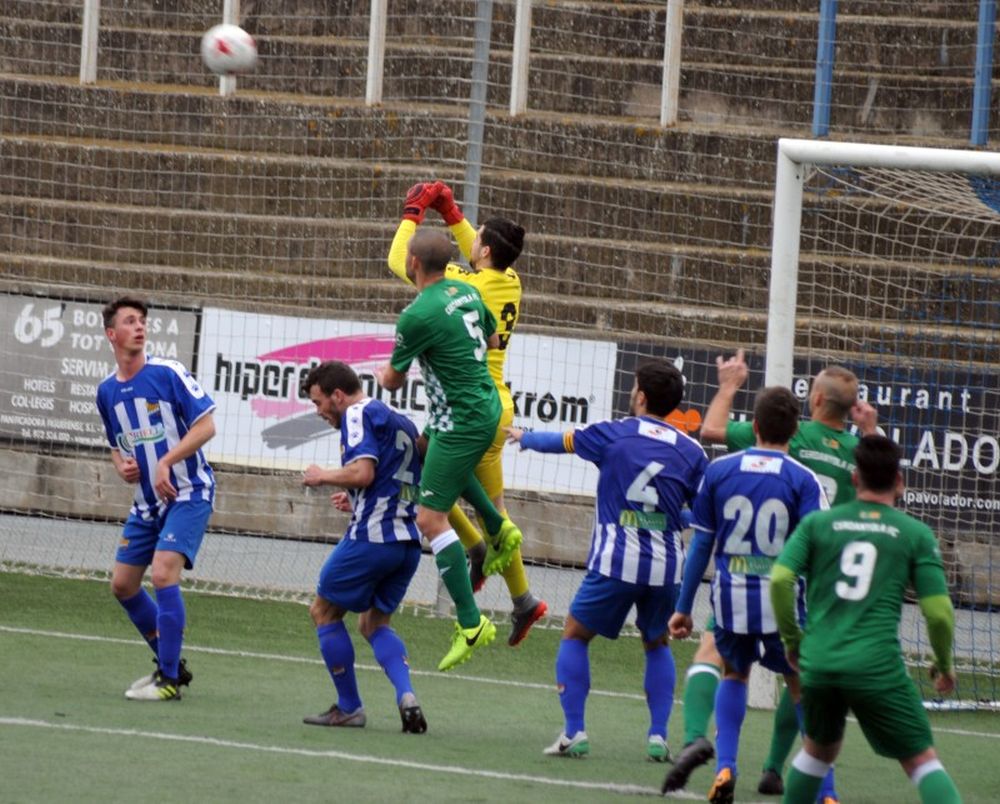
(452,215)
(418,198)
(732,374)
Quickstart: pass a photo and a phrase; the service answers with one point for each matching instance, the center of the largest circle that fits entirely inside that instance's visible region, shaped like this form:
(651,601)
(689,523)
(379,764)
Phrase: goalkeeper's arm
(397,251)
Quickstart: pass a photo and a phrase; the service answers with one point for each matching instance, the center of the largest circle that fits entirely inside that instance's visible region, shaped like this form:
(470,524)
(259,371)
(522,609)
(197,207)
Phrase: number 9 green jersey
(858,560)
(445,328)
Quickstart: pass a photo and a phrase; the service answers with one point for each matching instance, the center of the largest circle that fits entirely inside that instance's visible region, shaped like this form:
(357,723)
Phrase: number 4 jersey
(858,559)
(648,472)
(751,501)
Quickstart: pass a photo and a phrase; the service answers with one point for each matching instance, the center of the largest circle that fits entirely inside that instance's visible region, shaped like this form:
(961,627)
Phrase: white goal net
(896,256)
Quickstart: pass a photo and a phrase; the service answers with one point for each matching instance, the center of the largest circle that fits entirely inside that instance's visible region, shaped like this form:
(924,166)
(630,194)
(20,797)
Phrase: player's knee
(123,588)
(916,767)
(430,522)
(322,613)
(707,652)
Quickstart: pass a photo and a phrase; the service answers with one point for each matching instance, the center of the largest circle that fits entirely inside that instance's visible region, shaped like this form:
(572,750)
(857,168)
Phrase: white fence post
(671,62)
(519,59)
(88,41)
(230,16)
(376,52)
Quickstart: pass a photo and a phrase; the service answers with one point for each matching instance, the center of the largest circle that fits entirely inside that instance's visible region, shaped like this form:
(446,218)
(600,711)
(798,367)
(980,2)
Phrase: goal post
(885,260)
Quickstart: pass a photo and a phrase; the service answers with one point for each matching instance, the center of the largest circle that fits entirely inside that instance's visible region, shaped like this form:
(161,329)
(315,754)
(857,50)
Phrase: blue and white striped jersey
(751,501)
(385,511)
(648,472)
(145,417)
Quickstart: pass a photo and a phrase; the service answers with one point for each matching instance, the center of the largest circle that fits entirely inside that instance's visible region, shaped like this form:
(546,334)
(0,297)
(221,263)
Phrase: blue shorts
(601,604)
(179,530)
(361,575)
(741,650)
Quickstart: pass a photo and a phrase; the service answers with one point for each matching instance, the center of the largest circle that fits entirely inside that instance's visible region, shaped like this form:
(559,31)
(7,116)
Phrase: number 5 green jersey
(858,560)
(445,328)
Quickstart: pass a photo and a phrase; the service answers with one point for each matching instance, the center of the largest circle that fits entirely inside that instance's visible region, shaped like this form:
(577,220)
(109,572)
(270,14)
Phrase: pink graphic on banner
(355,350)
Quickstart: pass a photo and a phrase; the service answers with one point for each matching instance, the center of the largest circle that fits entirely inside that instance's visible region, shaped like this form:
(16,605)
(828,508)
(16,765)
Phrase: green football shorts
(449,464)
(892,717)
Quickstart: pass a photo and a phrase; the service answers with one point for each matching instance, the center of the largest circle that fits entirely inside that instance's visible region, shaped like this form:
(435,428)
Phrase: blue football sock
(730,709)
(390,652)
(573,680)
(338,653)
(143,613)
(661,675)
(170,624)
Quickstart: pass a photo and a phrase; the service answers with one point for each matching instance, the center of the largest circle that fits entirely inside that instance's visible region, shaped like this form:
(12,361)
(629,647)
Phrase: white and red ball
(228,49)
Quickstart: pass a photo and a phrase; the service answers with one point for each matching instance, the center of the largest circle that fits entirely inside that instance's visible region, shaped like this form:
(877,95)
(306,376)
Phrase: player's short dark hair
(877,459)
(111,308)
(330,376)
(662,384)
(840,389)
(433,248)
(505,239)
(776,412)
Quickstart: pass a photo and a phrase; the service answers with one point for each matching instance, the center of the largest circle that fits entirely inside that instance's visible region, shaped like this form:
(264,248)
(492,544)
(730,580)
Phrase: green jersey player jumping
(858,560)
(448,329)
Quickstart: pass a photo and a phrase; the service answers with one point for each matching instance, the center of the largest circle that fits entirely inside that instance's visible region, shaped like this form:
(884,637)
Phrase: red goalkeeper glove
(444,202)
(418,198)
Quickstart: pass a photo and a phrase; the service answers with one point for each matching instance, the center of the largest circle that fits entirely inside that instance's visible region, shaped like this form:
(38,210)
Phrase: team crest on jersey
(451,291)
(831,443)
(658,431)
(761,464)
(152,408)
(870,515)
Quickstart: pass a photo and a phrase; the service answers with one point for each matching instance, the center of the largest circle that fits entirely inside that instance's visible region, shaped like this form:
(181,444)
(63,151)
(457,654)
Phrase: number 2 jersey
(649,471)
(145,417)
(858,560)
(751,501)
(385,511)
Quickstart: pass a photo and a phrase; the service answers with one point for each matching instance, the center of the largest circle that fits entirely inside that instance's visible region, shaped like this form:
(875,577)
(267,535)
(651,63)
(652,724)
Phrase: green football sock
(476,496)
(938,788)
(453,571)
(801,788)
(786,729)
(699,699)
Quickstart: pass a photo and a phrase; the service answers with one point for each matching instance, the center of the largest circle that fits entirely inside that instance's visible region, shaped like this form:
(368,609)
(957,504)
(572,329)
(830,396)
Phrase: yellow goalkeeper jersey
(500,290)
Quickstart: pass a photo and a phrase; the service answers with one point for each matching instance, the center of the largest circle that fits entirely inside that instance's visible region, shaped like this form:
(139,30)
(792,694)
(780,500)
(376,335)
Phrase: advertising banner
(253,365)
(55,354)
(945,418)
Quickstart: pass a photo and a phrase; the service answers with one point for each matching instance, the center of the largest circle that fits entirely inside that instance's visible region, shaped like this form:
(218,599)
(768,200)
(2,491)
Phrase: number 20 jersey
(751,501)
(649,471)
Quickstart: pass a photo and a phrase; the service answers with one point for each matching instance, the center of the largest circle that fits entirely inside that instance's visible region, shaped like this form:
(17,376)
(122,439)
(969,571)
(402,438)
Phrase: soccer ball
(227,49)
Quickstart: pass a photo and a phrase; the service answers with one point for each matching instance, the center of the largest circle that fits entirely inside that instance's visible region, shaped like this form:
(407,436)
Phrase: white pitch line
(244,654)
(610,787)
(476,679)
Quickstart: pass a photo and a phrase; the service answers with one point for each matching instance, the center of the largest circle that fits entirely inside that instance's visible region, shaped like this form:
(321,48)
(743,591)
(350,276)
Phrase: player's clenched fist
(444,203)
(418,198)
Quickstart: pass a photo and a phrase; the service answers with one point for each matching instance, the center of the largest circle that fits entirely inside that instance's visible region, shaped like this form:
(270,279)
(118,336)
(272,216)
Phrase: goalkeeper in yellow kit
(491,251)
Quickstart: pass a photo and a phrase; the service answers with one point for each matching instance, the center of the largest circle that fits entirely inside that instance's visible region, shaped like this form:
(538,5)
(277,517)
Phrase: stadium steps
(558,143)
(922,69)
(345,252)
(313,191)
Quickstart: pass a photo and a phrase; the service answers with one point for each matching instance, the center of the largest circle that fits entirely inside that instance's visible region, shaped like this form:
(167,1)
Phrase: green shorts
(892,718)
(449,464)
